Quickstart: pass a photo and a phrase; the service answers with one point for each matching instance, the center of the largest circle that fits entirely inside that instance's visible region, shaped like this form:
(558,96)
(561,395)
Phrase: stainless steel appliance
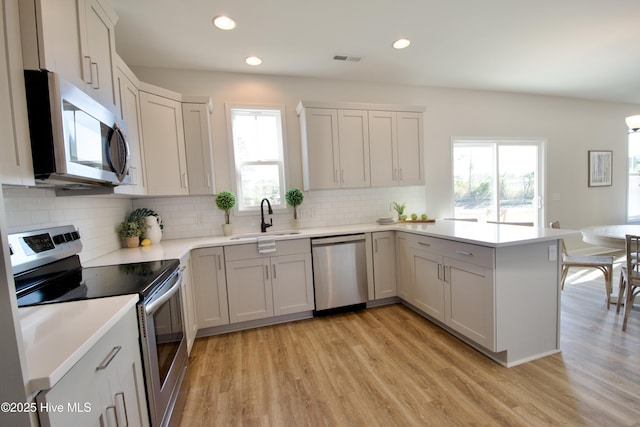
(47,269)
(74,139)
(339,273)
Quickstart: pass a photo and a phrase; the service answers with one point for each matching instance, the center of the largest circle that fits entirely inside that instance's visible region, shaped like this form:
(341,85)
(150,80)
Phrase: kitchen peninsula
(494,286)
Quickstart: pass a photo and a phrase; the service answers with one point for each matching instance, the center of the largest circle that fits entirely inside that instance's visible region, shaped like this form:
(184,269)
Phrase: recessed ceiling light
(253,60)
(224,22)
(401,43)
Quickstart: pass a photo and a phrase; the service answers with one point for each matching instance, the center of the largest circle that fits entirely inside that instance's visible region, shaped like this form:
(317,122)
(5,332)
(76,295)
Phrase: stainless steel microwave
(74,139)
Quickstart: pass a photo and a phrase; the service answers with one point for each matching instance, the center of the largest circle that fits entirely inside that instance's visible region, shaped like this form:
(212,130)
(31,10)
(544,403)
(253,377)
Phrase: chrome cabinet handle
(86,69)
(266,270)
(112,418)
(219,262)
(114,351)
(120,402)
(464,253)
(95,77)
(424,244)
(274,271)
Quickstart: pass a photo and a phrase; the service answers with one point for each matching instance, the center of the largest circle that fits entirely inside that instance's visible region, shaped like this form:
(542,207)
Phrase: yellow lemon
(145,242)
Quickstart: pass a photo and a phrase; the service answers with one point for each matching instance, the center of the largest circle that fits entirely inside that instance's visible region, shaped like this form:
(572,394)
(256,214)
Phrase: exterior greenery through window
(497,180)
(257,135)
(633,186)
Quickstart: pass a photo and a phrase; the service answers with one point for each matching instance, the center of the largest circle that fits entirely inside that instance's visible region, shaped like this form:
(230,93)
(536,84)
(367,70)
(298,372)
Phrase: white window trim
(232,161)
(542,161)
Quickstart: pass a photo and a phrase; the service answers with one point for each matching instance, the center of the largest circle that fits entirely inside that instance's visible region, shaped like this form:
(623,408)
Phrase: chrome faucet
(264,225)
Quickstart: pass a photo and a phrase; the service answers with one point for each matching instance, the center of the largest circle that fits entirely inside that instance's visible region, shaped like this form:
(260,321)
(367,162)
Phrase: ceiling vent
(348,58)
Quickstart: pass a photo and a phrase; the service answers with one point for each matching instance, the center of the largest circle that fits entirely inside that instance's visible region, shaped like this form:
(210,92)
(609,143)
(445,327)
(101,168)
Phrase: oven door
(164,348)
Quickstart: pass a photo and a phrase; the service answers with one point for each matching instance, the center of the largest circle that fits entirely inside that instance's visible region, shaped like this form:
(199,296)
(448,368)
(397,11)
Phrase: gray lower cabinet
(384,264)
(210,287)
(105,387)
(262,285)
(451,282)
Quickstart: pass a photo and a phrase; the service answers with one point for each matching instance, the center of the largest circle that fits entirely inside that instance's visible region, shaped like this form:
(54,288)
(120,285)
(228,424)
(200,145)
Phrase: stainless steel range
(47,270)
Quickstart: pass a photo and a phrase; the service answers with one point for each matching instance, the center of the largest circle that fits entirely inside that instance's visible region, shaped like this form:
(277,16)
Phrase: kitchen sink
(270,234)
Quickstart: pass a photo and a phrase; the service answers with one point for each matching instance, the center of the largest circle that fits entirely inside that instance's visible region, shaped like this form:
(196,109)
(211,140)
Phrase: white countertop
(491,235)
(56,336)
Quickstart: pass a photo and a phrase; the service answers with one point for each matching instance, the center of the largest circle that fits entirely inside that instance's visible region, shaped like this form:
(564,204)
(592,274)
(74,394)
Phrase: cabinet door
(382,145)
(353,138)
(321,161)
(188,302)
(428,288)
(470,301)
(16,166)
(384,264)
(197,137)
(98,50)
(410,149)
(131,115)
(249,289)
(165,159)
(210,287)
(292,281)
(403,267)
(51,37)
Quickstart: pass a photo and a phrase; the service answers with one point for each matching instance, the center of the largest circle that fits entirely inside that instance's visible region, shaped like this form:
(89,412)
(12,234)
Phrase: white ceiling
(576,48)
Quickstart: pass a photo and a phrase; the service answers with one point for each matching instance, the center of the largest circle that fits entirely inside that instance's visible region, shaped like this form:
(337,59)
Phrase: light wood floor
(388,366)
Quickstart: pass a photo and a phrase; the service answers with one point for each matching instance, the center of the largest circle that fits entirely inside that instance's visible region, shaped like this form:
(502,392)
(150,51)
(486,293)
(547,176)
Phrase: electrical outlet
(553,252)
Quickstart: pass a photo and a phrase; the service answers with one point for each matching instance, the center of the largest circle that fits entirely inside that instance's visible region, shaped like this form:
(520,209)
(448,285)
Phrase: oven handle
(155,304)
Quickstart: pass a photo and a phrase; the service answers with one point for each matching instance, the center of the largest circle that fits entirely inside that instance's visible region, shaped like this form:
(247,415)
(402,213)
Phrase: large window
(497,180)
(257,136)
(633,185)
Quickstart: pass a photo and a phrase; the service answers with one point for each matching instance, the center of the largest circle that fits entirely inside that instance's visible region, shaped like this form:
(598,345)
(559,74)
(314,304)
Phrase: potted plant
(294,198)
(399,208)
(226,200)
(130,231)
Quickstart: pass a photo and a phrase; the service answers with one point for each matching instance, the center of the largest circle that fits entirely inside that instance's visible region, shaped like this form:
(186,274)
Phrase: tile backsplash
(193,216)
(95,217)
(197,216)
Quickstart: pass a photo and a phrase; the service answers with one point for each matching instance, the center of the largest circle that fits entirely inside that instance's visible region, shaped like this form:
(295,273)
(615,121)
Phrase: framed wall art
(600,165)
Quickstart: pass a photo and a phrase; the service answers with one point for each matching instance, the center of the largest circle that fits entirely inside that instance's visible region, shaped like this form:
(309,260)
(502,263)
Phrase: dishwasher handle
(336,240)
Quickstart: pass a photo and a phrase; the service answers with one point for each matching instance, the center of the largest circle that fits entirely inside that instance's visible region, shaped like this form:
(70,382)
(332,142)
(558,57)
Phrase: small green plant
(226,200)
(294,198)
(399,208)
(131,228)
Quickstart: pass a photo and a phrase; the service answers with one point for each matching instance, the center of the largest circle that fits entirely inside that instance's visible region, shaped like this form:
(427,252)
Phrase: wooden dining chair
(603,263)
(629,277)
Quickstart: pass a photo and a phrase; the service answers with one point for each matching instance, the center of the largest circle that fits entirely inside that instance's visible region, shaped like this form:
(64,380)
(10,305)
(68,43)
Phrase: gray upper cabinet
(74,38)
(15,149)
(346,145)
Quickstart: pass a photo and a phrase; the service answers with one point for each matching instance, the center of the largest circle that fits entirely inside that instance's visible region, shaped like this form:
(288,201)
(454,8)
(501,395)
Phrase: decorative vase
(132,242)
(153,231)
(295,223)
(227,229)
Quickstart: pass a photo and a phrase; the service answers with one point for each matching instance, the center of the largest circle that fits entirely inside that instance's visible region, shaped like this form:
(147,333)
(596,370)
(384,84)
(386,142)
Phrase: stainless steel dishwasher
(339,273)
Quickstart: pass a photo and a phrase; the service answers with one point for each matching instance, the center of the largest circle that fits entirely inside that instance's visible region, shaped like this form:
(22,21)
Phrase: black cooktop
(66,280)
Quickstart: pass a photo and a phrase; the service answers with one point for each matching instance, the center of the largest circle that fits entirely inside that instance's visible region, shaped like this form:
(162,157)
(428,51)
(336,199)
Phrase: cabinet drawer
(474,254)
(426,243)
(283,247)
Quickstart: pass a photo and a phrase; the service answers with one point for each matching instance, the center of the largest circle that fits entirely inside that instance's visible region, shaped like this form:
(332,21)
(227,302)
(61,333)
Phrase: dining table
(609,236)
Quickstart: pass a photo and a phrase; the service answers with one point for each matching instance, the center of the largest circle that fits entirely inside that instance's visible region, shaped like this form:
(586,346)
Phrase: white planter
(227,229)
(295,223)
